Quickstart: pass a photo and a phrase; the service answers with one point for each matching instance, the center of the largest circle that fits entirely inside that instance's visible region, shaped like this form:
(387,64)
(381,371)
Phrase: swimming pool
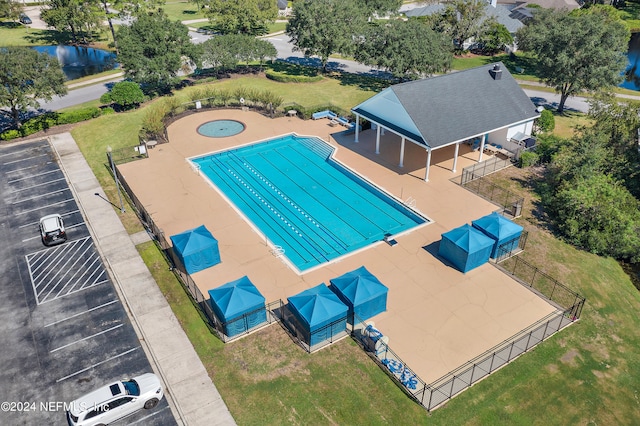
(303,201)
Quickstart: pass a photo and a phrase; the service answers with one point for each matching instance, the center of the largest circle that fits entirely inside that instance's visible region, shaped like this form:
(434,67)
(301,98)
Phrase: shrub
(125,94)
(546,122)
(528,158)
(10,134)
(39,123)
(287,78)
(547,146)
(78,115)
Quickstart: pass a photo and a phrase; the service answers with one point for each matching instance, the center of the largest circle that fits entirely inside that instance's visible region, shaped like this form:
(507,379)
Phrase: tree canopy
(575,52)
(227,51)
(406,49)
(79,18)
(10,9)
(324,27)
(153,49)
(124,94)
(463,20)
(250,17)
(25,77)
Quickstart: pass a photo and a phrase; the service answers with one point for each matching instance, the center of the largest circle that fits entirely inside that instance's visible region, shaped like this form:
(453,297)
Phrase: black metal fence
(483,168)
(510,202)
(543,284)
(429,395)
(512,247)
(326,335)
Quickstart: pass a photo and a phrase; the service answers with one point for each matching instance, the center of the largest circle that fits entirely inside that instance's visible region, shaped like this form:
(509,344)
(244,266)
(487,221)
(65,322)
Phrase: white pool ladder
(411,202)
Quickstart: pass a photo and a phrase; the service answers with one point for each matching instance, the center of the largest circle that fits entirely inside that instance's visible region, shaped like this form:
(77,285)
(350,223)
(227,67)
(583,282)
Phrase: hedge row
(288,78)
(51,119)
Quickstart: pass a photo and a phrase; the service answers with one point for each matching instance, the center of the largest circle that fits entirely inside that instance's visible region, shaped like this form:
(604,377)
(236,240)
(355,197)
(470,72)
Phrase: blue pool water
(304,201)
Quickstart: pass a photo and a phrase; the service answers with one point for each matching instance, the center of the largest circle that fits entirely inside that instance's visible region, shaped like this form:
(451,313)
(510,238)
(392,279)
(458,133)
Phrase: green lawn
(182,11)
(586,374)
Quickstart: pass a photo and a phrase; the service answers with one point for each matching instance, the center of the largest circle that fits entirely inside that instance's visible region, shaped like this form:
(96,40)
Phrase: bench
(324,114)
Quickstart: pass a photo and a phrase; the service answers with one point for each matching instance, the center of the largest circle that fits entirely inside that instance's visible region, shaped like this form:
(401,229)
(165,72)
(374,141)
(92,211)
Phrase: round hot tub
(221,128)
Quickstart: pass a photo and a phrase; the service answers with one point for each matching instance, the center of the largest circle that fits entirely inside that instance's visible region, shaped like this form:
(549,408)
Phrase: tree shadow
(10,25)
(49,37)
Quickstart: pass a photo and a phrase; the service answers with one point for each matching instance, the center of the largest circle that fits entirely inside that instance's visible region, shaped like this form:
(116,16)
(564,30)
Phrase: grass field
(586,374)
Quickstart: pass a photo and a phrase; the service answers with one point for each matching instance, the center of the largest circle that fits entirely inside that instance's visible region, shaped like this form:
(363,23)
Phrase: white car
(115,401)
(52,230)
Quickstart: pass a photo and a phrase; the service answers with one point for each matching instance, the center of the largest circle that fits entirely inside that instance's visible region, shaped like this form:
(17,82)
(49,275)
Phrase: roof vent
(496,72)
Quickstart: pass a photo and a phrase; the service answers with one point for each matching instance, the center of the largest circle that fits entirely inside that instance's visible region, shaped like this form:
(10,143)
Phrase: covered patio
(482,107)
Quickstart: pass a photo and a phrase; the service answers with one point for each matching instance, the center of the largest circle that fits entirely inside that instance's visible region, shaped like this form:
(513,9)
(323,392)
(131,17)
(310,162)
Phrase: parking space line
(150,415)
(48,205)
(38,236)
(82,313)
(96,364)
(61,214)
(87,338)
(35,186)
(32,176)
(24,159)
(35,197)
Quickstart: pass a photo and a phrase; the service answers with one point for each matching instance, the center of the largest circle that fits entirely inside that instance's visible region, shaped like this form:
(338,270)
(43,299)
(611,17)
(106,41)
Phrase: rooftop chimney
(496,72)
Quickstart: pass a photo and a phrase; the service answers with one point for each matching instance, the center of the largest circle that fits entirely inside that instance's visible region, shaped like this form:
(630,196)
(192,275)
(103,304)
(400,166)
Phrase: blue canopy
(501,230)
(362,292)
(196,249)
(465,247)
(317,308)
(239,306)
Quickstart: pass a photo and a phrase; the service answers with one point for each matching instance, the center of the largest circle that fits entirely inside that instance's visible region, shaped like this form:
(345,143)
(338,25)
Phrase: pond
(79,61)
(632,74)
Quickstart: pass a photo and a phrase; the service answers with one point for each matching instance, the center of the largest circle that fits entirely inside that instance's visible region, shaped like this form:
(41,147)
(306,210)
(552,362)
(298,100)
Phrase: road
(285,52)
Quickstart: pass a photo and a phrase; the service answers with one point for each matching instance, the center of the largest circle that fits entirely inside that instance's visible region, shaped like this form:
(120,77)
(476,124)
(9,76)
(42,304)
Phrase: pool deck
(437,318)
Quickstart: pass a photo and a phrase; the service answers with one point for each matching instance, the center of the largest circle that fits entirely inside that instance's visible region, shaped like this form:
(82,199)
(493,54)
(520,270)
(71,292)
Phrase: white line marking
(150,415)
(42,207)
(81,313)
(86,338)
(32,176)
(40,196)
(61,214)
(24,159)
(95,365)
(35,186)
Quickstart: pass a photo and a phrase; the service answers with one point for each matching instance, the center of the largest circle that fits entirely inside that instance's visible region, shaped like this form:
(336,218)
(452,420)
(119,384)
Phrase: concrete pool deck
(437,318)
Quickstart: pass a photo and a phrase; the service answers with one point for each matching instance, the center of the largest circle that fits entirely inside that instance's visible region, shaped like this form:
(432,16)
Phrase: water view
(79,61)
(632,74)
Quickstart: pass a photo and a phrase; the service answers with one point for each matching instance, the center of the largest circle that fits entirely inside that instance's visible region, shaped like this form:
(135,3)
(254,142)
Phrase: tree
(153,50)
(495,38)
(10,9)
(380,7)
(25,77)
(324,27)
(463,20)
(250,17)
(125,94)
(227,51)
(81,19)
(406,49)
(576,52)
(126,9)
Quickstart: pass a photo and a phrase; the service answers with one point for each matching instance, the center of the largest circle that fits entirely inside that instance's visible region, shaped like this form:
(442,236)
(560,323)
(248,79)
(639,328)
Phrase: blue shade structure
(320,312)
(501,230)
(362,292)
(196,249)
(239,306)
(465,247)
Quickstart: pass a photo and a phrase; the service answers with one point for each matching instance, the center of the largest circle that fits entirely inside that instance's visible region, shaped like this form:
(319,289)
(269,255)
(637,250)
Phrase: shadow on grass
(48,37)
(9,25)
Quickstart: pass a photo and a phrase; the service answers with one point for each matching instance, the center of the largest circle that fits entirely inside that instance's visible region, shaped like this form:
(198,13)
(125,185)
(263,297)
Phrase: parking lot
(65,331)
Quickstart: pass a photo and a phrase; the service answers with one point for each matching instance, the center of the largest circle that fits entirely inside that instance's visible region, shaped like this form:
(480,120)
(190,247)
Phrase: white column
(357,127)
(455,158)
(378,139)
(482,142)
(426,175)
(401,153)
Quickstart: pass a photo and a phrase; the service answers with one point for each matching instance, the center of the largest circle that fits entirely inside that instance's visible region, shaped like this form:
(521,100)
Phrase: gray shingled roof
(442,110)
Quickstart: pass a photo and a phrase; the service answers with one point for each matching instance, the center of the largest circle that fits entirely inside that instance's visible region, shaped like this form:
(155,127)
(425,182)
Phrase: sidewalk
(193,398)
